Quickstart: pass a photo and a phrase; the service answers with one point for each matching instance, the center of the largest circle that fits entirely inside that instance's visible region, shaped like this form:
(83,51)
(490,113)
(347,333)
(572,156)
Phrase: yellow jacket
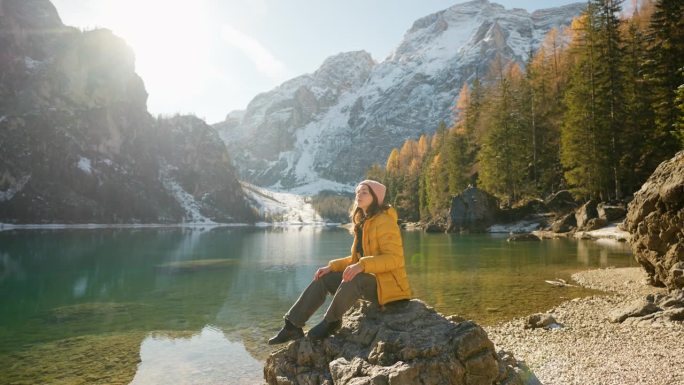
(384,257)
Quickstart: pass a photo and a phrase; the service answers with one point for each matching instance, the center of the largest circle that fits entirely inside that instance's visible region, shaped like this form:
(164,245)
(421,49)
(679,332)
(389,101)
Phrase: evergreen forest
(594,110)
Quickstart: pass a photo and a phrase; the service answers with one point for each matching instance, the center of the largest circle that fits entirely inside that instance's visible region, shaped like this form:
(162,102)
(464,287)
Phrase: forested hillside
(597,107)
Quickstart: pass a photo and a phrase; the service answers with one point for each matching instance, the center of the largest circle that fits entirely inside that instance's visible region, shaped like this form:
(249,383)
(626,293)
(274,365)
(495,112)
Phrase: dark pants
(345,295)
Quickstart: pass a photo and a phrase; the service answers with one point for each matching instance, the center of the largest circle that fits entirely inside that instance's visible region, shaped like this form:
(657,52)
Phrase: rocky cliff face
(78,144)
(408,343)
(327,127)
(655,218)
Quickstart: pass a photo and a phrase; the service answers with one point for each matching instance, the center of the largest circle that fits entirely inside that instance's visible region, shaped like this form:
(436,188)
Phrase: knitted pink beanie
(378,188)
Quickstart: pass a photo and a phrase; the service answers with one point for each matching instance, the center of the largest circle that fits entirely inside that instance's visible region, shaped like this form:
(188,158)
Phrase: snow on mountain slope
(334,124)
(282,208)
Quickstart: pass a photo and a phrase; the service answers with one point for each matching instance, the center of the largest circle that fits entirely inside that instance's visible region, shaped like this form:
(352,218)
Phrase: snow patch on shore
(611,231)
(523,226)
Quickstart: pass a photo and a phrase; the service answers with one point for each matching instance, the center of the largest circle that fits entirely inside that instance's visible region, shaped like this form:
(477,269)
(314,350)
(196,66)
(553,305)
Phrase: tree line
(594,110)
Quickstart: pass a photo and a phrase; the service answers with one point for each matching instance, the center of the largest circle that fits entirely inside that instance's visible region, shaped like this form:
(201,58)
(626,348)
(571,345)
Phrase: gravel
(589,349)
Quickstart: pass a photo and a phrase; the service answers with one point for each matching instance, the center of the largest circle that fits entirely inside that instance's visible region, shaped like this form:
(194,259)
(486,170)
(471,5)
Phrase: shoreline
(191,225)
(589,349)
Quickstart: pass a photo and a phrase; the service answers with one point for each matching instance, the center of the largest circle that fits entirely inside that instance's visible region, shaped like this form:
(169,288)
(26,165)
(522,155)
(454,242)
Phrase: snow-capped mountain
(325,129)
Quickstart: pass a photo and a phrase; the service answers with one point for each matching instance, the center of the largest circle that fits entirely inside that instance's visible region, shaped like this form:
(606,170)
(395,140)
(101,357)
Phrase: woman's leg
(363,286)
(312,298)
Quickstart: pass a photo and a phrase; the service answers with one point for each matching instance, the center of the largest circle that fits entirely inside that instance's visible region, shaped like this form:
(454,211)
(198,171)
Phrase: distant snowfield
(282,208)
(92,226)
(275,207)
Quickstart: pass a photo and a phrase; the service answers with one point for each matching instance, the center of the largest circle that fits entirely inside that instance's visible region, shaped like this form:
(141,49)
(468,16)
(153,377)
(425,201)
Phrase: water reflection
(129,284)
(205,358)
(590,251)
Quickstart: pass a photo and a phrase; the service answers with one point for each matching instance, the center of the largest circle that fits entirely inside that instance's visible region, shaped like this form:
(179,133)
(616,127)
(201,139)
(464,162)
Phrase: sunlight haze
(209,57)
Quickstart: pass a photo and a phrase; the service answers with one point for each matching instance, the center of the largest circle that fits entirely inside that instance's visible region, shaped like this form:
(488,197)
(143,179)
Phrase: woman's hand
(351,271)
(321,272)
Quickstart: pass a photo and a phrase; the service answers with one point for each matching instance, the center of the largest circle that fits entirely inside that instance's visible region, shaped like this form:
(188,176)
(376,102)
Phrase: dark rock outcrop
(564,224)
(525,210)
(78,144)
(655,218)
(407,343)
(436,226)
(594,223)
(561,202)
(610,212)
(586,213)
(473,210)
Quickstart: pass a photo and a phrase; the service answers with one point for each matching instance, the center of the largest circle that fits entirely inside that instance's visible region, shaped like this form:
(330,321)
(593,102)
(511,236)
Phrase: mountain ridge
(400,98)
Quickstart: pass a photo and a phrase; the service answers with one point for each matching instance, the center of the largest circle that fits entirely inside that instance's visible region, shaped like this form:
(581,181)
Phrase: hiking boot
(323,330)
(289,332)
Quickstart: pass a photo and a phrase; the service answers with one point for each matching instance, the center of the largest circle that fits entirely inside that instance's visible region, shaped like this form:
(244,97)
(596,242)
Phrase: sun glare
(171,43)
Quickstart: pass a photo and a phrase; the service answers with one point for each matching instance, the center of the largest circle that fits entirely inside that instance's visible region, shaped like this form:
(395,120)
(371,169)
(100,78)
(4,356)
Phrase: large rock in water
(472,210)
(655,218)
(407,343)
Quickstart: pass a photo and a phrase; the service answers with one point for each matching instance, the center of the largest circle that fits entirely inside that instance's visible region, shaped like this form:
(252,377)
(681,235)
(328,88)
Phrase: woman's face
(363,197)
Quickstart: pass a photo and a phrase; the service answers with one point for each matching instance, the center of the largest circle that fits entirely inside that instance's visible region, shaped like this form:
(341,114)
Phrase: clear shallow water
(159,306)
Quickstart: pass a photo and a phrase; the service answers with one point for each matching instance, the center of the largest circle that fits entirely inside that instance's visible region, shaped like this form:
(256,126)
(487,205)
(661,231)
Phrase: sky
(209,57)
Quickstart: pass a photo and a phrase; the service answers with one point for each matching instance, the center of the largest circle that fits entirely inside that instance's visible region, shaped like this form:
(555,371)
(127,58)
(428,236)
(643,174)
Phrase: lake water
(196,306)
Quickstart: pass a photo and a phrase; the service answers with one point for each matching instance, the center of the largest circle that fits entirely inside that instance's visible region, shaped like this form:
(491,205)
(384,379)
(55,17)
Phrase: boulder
(474,210)
(436,225)
(594,224)
(585,213)
(525,210)
(560,202)
(523,237)
(564,224)
(539,320)
(654,310)
(655,219)
(404,343)
(637,308)
(610,212)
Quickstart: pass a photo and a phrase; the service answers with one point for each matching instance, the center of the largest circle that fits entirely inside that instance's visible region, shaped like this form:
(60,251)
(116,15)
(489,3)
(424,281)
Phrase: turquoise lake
(196,306)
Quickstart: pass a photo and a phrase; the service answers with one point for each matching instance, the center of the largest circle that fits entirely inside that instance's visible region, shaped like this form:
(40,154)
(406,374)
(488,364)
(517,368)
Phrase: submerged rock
(197,265)
(92,310)
(88,359)
(523,237)
(655,218)
(406,343)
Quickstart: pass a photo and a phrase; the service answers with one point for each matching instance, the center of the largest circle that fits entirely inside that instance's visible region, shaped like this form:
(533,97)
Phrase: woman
(374,271)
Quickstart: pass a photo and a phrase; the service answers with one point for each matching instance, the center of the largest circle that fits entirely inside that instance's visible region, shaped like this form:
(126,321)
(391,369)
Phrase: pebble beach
(588,349)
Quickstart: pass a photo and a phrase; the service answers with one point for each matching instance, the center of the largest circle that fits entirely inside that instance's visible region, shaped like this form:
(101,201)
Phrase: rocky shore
(588,348)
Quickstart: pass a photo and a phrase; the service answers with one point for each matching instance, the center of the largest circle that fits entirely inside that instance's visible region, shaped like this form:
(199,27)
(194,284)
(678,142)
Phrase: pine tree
(609,85)
(666,71)
(457,147)
(593,120)
(639,122)
(502,156)
(543,86)
(582,152)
